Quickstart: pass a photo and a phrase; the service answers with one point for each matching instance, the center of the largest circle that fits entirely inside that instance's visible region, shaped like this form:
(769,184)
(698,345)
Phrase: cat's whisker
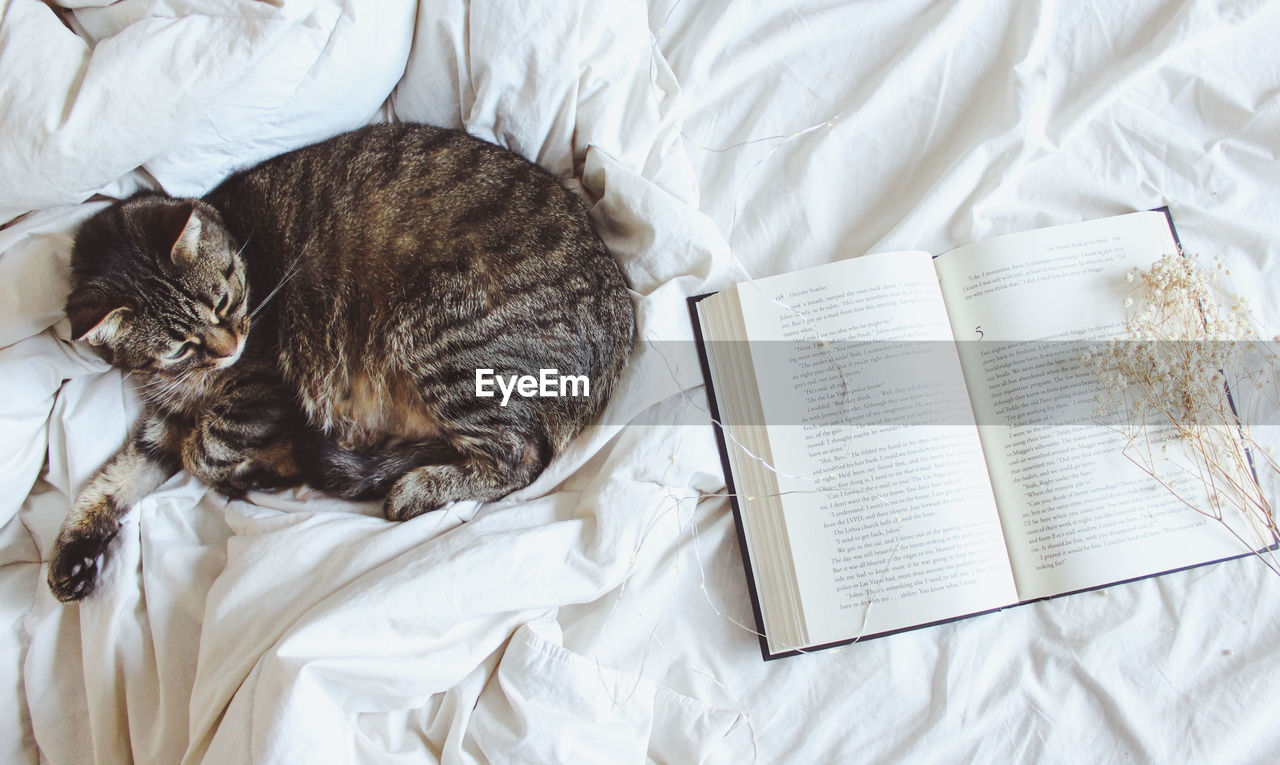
(247,239)
(273,293)
(159,390)
(157,379)
(162,388)
(293,270)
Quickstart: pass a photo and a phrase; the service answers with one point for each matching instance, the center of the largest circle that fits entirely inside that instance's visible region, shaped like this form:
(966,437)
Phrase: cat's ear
(97,323)
(179,231)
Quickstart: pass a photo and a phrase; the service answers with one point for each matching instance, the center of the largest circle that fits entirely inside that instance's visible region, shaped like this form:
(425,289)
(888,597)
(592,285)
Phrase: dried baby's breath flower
(1167,384)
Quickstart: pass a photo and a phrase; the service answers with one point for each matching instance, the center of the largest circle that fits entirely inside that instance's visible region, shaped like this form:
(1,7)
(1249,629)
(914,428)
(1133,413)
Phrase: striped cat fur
(319,318)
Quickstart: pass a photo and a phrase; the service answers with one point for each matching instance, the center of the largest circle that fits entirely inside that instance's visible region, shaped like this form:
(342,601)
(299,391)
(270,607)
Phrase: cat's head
(158,286)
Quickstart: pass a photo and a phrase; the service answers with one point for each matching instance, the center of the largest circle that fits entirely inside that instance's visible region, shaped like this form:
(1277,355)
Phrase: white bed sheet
(601,614)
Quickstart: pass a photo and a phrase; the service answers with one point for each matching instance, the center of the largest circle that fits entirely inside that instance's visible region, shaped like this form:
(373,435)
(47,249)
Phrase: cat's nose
(221,343)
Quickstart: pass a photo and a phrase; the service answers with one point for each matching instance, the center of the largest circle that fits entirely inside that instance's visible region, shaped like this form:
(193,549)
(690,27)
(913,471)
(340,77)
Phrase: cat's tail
(363,475)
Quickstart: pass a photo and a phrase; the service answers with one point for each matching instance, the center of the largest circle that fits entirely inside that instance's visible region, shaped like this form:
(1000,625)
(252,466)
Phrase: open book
(910,440)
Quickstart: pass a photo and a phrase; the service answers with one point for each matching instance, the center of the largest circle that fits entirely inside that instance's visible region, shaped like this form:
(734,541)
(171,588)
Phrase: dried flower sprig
(1190,378)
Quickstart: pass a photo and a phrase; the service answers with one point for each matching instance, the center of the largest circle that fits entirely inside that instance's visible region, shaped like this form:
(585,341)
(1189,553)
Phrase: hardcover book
(910,440)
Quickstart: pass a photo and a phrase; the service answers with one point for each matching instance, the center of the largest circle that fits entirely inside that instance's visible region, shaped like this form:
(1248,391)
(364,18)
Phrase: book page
(746,447)
(886,502)
(1077,513)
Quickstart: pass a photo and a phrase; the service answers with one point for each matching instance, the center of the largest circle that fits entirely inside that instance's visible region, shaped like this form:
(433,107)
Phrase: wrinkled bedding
(601,614)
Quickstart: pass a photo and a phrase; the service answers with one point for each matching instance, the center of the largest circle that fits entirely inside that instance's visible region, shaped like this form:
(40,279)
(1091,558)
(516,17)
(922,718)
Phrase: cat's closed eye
(181,351)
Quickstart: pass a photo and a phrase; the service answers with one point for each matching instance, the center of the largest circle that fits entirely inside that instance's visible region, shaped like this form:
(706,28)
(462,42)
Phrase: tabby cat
(320,318)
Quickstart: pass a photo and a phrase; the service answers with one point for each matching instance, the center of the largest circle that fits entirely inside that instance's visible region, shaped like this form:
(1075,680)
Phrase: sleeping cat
(321,318)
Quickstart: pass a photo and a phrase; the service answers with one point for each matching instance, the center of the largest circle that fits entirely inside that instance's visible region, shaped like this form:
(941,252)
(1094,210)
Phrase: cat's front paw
(78,557)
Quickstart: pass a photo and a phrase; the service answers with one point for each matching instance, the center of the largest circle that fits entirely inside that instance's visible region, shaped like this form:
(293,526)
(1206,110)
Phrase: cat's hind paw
(415,493)
(252,475)
(77,561)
